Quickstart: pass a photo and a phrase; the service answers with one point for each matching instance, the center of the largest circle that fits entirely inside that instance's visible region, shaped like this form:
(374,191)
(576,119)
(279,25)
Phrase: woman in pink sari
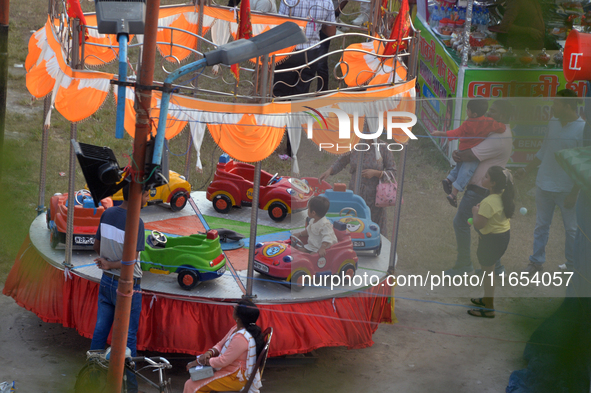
(234,357)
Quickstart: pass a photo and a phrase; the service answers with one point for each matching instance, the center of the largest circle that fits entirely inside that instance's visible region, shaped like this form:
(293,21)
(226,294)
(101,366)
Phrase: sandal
(477,302)
(480,313)
(447,187)
(452,200)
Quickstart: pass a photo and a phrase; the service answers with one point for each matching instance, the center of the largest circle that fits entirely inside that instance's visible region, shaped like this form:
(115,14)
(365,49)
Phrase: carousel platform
(180,321)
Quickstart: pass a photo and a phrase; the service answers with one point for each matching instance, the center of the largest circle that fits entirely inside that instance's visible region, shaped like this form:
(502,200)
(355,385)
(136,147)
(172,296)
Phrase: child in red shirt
(472,131)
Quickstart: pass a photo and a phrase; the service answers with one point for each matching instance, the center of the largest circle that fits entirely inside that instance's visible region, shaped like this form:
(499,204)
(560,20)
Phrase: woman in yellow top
(491,220)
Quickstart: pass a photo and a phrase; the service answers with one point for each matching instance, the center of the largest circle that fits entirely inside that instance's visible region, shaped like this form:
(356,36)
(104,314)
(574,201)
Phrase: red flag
(244,31)
(75,11)
(400,29)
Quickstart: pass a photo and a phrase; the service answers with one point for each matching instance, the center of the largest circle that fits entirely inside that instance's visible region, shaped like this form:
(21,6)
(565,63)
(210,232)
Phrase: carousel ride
(376,69)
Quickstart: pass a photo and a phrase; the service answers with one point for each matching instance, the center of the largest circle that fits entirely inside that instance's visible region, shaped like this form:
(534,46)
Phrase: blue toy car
(351,209)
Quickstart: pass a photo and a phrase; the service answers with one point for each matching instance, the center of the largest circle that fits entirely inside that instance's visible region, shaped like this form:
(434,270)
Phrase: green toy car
(194,258)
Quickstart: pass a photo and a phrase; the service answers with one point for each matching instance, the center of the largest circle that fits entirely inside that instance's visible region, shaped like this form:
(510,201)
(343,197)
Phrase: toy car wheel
(178,201)
(297,281)
(222,204)
(348,270)
(277,211)
(54,237)
(48,218)
(188,279)
(378,250)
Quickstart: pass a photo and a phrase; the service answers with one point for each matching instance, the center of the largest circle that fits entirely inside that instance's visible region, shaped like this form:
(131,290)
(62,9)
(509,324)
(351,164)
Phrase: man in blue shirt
(109,245)
(553,186)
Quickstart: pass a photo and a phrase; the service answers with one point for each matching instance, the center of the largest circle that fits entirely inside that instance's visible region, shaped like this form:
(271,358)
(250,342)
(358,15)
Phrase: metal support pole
(414,54)
(72,167)
(360,163)
(71,197)
(467,28)
(254,215)
(142,129)
(394,238)
(4,8)
(189,137)
(44,143)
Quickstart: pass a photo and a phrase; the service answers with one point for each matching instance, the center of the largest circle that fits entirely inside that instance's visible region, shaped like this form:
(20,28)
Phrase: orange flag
(400,29)
(244,31)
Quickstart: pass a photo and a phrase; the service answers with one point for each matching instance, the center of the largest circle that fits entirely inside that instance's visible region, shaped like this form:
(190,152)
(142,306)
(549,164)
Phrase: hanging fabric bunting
(362,63)
(197,128)
(248,132)
(77,93)
(187,21)
(244,31)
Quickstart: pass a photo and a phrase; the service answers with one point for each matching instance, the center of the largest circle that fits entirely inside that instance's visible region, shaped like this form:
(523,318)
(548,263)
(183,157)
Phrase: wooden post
(142,130)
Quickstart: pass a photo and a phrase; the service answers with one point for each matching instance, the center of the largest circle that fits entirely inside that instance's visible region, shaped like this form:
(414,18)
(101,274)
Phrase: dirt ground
(435,347)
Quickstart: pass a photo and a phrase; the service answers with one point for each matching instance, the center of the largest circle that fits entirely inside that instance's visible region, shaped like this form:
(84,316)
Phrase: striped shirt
(111,234)
(315,11)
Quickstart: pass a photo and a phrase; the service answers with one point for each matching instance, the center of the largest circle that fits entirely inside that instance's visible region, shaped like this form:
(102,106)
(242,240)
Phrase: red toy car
(86,219)
(279,260)
(232,186)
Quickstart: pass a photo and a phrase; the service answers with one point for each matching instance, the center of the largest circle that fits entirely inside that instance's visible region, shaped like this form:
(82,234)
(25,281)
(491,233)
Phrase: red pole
(142,130)
(4,8)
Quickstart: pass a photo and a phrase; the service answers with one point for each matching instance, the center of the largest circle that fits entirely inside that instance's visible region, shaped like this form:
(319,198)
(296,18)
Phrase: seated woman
(234,357)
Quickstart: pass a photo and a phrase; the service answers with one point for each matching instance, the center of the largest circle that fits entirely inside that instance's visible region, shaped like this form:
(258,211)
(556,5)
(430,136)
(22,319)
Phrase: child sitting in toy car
(319,229)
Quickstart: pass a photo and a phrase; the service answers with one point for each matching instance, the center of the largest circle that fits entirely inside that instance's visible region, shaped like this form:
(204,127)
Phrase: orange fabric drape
(299,327)
(80,93)
(247,141)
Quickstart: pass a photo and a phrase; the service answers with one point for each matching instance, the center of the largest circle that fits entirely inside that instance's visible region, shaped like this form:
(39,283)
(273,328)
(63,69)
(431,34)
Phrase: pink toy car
(278,260)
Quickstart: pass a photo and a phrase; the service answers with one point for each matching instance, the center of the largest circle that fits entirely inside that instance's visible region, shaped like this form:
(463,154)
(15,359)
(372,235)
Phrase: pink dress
(232,360)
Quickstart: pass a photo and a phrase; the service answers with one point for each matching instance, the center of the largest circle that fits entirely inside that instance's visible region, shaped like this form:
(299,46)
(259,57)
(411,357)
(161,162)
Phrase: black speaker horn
(101,170)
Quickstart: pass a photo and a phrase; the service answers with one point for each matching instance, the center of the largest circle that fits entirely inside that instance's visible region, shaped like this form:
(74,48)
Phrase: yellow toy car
(176,193)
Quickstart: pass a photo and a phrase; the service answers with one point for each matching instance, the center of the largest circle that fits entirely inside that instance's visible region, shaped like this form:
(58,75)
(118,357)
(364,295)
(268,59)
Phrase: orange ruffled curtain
(164,322)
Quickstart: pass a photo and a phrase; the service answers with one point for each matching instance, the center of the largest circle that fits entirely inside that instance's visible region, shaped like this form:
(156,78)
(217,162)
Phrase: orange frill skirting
(193,325)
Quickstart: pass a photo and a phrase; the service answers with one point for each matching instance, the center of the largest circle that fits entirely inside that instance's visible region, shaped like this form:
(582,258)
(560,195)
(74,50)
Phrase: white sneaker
(360,20)
(562,267)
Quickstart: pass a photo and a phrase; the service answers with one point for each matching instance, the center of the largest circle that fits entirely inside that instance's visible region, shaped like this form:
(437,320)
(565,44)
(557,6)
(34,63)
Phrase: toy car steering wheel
(82,192)
(295,241)
(345,211)
(158,238)
(273,179)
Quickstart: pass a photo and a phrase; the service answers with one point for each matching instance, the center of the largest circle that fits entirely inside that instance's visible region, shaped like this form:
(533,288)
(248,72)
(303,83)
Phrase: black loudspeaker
(101,170)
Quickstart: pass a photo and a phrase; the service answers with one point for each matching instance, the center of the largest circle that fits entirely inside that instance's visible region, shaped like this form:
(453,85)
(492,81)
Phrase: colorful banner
(437,84)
